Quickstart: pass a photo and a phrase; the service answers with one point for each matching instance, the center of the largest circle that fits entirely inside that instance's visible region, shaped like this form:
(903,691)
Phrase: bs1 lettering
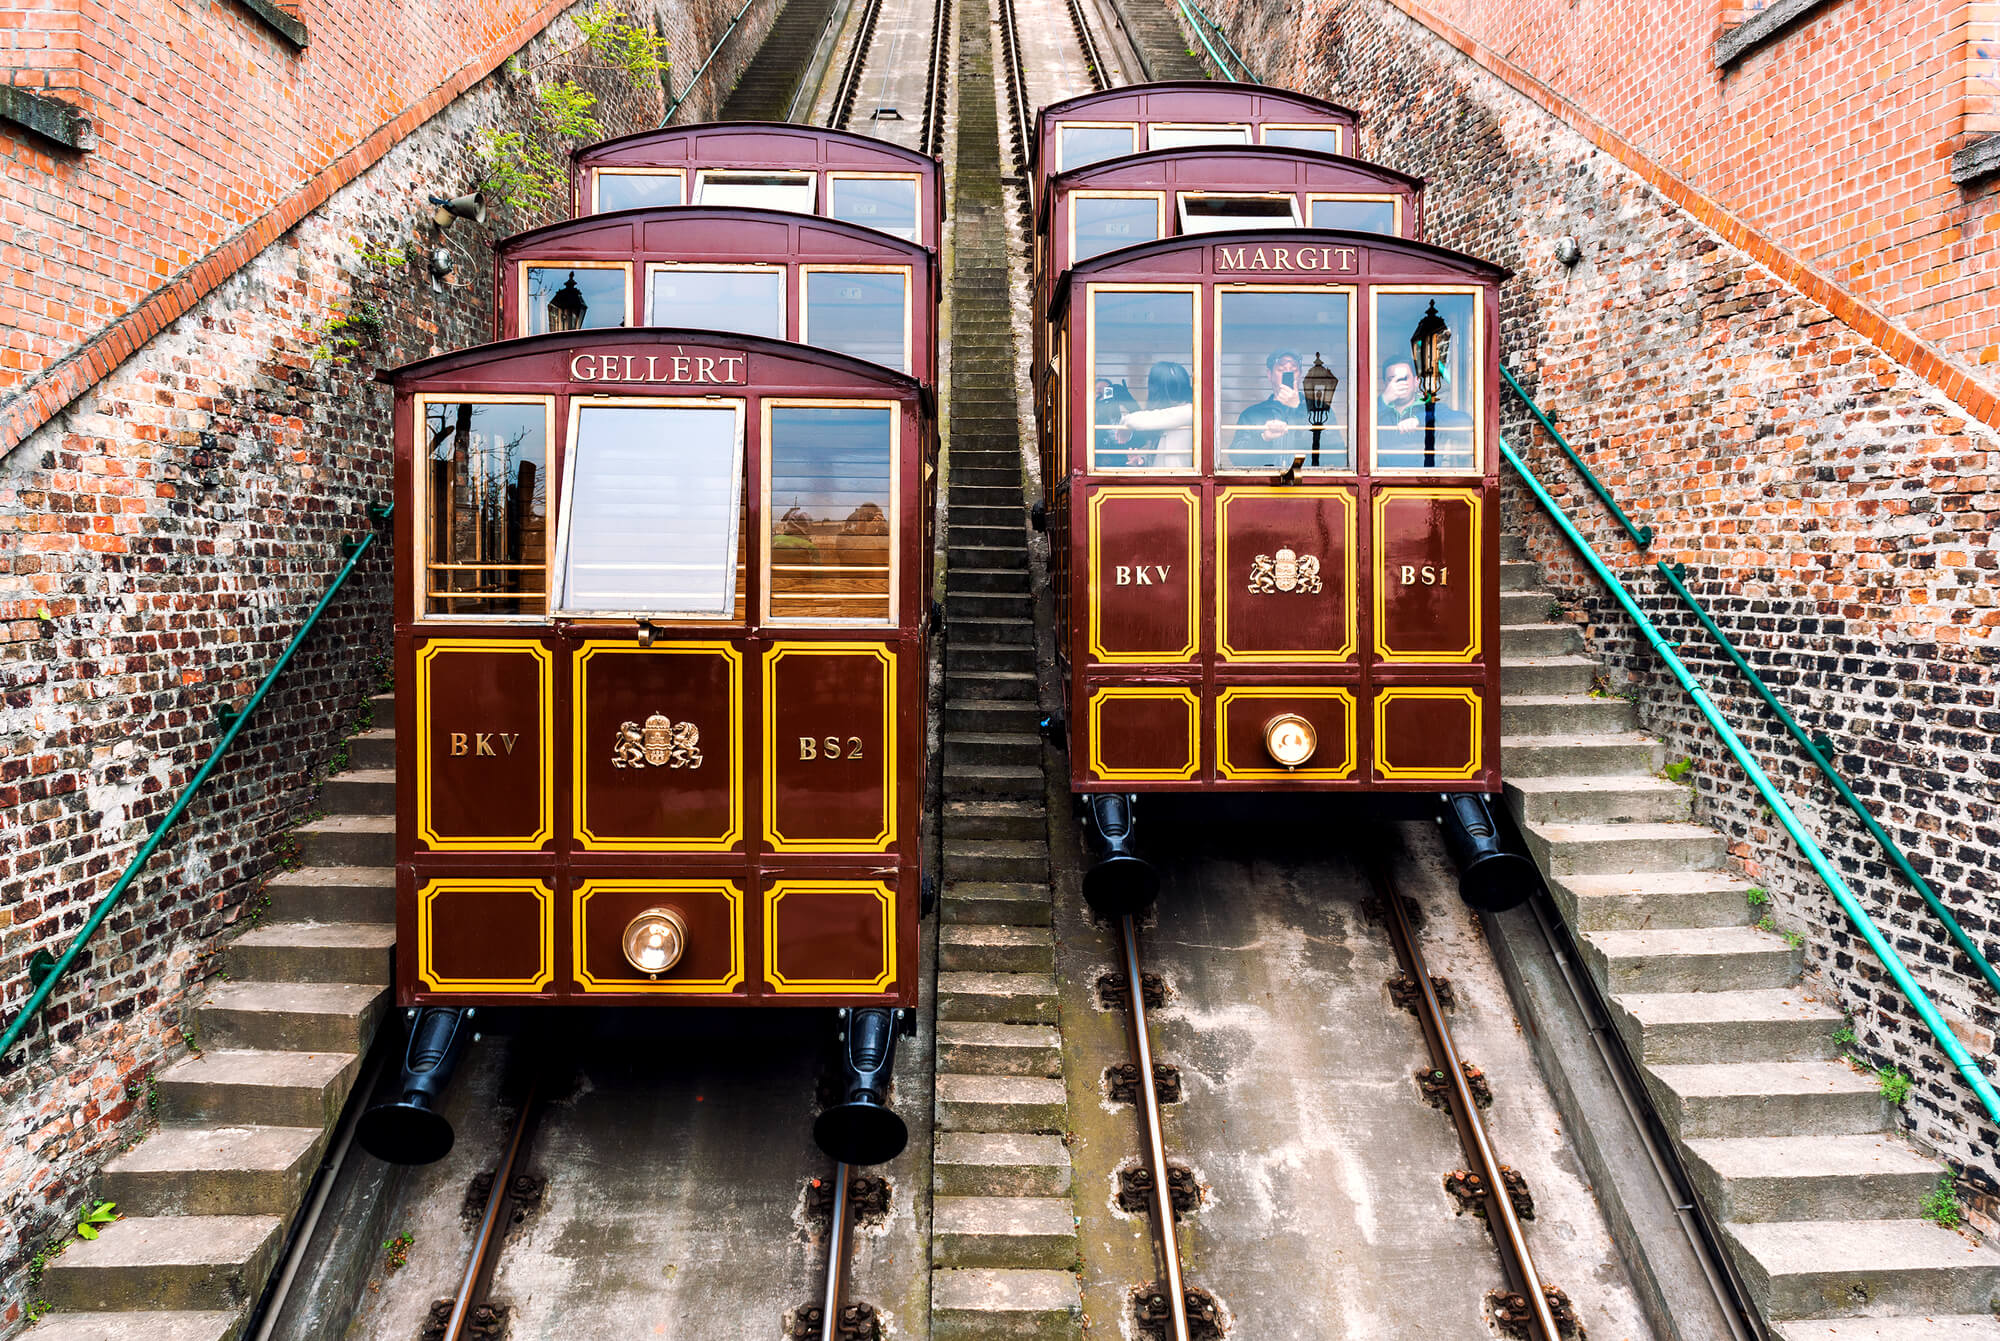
(1428,576)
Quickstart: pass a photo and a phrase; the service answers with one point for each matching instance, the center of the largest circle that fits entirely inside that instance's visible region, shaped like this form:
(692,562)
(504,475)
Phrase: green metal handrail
(1198,21)
(695,79)
(1819,748)
(1642,536)
(1913,992)
(45,971)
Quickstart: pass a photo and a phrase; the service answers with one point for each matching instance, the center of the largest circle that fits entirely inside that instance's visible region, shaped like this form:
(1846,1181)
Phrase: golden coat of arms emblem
(660,742)
(1284,571)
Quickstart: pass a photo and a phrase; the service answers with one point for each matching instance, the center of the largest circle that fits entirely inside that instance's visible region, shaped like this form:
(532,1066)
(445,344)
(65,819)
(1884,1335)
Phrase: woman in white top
(1169,412)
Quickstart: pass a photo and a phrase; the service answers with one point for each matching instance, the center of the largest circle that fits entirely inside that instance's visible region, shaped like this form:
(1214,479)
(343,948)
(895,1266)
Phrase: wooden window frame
(524,265)
(1353,292)
(1477,363)
(1090,292)
(858,268)
(420,488)
(596,173)
(834,175)
(1395,198)
(702,176)
(1062,126)
(1181,198)
(1249,134)
(894,510)
(778,268)
(1159,199)
(1340,134)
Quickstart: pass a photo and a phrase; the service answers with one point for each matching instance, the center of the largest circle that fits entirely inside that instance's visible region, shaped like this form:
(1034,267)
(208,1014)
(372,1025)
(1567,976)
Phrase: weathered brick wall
(1836,511)
(160,540)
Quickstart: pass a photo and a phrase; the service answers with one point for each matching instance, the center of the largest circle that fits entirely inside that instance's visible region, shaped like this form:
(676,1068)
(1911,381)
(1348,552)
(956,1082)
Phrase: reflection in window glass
(888,204)
(650,519)
(1269,343)
(831,490)
(1425,422)
(488,499)
(1142,385)
(758,190)
(1220,214)
(1321,139)
(637,190)
(858,313)
(569,298)
(1356,216)
(1106,223)
(748,302)
(1184,137)
(1078,145)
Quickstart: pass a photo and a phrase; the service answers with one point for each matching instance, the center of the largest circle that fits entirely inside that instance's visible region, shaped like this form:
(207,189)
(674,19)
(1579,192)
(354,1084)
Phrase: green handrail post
(675,106)
(1199,20)
(1642,536)
(1819,748)
(43,970)
(1899,973)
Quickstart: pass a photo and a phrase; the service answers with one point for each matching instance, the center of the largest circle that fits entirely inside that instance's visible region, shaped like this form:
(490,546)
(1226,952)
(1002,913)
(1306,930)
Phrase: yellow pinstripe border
(579,793)
(1251,695)
(546,719)
(580,913)
(1384,769)
(775,895)
(1187,648)
(885,837)
(1471,651)
(545,972)
(1222,583)
(1114,693)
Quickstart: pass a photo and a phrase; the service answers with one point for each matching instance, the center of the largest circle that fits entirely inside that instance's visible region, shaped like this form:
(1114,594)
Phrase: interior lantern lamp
(1317,391)
(1430,348)
(567,308)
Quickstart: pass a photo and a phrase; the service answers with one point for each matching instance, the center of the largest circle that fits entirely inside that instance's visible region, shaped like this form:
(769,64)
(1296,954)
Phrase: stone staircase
(207,1197)
(1791,1150)
(764,91)
(1004,1243)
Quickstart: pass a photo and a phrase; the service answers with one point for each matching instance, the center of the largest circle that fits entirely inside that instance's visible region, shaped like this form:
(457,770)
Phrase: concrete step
(1810,1177)
(1707,1027)
(1015,781)
(1513,546)
(1611,754)
(1546,674)
(1003,516)
(965,531)
(292,1016)
(1000,1103)
(205,1262)
(1691,959)
(244,1086)
(995,901)
(988,605)
(1726,1099)
(1000,1164)
(351,952)
(994,747)
(996,817)
(1520,575)
(997,998)
(986,686)
(163,1325)
(988,556)
(991,630)
(999,859)
(1651,899)
(360,791)
(332,894)
(1001,475)
(971,1304)
(1524,607)
(960,658)
(970,578)
(1565,715)
(1930,1327)
(1611,849)
(1585,799)
(215,1171)
(969,1048)
(967,494)
(996,949)
(1846,1268)
(348,840)
(1004,1232)
(374,749)
(1001,715)
(1540,640)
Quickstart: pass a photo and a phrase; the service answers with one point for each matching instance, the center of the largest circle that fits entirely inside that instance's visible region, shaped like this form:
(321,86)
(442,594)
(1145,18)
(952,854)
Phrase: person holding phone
(1271,432)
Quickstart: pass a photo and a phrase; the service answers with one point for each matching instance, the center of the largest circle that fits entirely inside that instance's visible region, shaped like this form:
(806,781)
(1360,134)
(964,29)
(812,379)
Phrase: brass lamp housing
(655,940)
(567,308)
(1430,349)
(1290,739)
(1317,389)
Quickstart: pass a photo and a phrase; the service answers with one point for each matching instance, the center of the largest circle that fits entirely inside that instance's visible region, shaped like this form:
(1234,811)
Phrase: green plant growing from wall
(94,1219)
(1895,1085)
(1941,1203)
(1678,770)
(1756,896)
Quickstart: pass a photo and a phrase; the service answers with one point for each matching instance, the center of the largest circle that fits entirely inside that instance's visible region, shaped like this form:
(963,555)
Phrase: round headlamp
(1290,739)
(655,940)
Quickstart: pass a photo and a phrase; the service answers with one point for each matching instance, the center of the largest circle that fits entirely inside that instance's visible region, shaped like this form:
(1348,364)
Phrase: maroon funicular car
(662,603)
(1185,114)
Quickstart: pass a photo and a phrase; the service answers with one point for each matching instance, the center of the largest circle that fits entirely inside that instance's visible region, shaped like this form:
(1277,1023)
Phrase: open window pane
(758,190)
(888,204)
(572,298)
(859,313)
(650,518)
(638,190)
(1426,422)
(747,302)
(487,495)
(1106,223)
(1269,344)
(832,487)
(1320,139)
(1078,145)
(1186,137)
(1356,216)
(1142,397)
(1220,214)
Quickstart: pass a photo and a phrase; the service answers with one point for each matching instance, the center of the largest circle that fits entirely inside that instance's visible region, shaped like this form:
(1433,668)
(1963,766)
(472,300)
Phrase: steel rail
(1017,89)
(1093,59)
(1507,1234)
(1148,1101)
(849,87)
(937,89)
(479,1266)
(839,1225)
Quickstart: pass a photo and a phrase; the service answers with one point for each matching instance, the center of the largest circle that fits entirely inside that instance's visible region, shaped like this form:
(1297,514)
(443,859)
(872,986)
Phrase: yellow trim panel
(545,972)
(665,889)
(1388,772)
(779,891)
(1114,693)
(545,744)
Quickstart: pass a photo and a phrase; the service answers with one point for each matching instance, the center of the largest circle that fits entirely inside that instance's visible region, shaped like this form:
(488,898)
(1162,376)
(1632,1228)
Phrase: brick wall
(1835,510)
(160,539)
